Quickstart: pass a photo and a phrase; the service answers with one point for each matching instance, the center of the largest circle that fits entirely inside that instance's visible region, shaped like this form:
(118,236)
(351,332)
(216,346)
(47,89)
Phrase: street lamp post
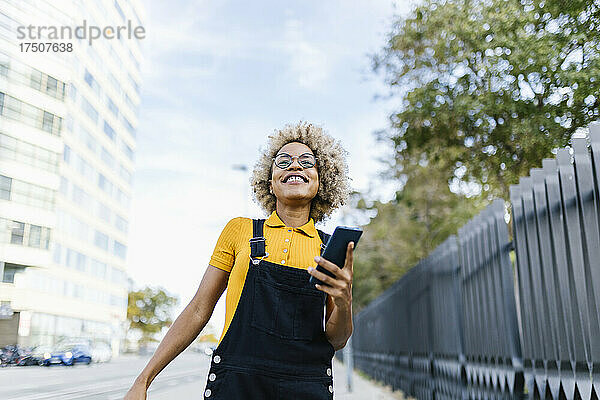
(243,168)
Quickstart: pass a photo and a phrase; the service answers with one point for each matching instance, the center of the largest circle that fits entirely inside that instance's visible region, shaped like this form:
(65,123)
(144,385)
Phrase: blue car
(68,354)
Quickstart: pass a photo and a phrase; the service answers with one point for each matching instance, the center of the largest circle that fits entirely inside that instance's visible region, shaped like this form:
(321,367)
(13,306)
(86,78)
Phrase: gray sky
(218,78)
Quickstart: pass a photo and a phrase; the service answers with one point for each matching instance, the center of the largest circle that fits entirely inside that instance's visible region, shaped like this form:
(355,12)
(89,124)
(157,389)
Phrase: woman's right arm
(184,330)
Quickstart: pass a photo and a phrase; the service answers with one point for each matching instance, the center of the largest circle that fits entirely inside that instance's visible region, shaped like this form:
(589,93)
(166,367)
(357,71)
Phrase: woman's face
(294,191)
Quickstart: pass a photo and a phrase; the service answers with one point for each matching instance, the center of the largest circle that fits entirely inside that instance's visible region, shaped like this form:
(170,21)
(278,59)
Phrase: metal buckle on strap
(258,246)
(255,261)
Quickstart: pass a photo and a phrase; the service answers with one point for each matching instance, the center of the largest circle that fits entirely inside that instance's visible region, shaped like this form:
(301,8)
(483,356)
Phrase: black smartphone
(335,248)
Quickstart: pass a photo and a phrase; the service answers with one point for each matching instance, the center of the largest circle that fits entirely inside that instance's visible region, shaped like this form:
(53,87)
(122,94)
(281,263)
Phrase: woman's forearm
(188,325)
(339,326)
(179,336)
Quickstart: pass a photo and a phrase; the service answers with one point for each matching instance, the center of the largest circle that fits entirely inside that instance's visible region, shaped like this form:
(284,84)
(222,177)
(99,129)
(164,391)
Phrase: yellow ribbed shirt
(293,247)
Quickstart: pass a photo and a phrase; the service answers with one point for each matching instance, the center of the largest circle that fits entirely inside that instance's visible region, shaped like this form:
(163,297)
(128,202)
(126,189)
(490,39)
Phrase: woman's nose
(295,164)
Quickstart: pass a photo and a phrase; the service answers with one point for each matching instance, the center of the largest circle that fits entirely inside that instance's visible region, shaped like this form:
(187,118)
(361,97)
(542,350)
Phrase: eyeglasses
(284,160)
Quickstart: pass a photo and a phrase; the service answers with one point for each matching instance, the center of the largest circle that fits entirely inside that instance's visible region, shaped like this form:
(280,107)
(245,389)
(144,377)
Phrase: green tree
(149,311)
(403,231)
(491,87)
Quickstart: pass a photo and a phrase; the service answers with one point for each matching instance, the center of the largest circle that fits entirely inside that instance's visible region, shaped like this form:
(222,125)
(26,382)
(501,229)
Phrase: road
(184,378)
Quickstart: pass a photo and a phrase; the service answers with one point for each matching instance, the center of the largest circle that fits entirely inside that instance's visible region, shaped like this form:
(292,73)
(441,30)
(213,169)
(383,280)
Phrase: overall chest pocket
(287,311)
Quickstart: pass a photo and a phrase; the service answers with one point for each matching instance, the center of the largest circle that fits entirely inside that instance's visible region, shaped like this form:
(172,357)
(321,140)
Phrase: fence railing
(464,324)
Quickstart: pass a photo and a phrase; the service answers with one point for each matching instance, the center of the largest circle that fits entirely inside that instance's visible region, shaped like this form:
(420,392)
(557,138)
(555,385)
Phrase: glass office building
(67,144)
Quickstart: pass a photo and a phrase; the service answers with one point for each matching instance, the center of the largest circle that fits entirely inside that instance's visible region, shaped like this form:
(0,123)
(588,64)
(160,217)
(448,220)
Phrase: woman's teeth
(295,179)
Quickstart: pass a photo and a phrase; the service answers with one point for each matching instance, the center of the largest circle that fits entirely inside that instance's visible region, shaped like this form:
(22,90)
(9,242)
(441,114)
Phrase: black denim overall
(275,347)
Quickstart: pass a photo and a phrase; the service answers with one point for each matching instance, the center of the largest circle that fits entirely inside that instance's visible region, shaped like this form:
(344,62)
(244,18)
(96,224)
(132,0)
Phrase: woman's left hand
(340,287)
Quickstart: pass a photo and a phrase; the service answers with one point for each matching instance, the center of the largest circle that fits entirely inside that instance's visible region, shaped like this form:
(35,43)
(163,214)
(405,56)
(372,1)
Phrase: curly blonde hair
(334,187)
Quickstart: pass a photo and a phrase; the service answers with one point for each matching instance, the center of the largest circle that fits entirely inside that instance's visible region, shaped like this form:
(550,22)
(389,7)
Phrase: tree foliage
(423,214)
(149,311)
(491,87)
(488,88)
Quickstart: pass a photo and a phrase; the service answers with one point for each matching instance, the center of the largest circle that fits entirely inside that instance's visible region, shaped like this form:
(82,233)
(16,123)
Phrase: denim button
(217,359)
(212,377)
(207,392)
(285,250)
(328,371)
(287,240)
(289,230)
(283,261)
(330,389)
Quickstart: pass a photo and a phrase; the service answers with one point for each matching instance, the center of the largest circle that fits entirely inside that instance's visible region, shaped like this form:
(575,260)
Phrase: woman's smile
(295,179)
(294,183)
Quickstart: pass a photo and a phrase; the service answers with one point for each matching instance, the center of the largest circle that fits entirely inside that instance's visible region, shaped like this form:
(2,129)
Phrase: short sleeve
(224,254)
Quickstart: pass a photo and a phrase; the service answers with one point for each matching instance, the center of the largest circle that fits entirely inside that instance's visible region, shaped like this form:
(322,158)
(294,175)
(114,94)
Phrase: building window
(17,110)
(128,126)
(101,240)
(45,238)
(120,11)
(112,106)
(57,255)
(127,150)
(109,131)
(36,79)
(98,268)
(104,212)
(81,261)
(17,232)
(5,185)
(9,274)
(70,259)
(121,223)
(89,110)
(88,78)
(38,157)
(67,154)
(120,249)
(48,122)
(51,85)
(21,234)
(35,236)
(107,158)
(47,84)
(73,93)
(102,182)
(31,195)
(64,186)
(125,174)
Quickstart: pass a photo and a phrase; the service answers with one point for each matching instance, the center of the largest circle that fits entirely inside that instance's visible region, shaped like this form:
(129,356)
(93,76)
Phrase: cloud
(309,65)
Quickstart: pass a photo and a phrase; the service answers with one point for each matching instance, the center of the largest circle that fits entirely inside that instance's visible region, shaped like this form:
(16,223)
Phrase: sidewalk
(363,389)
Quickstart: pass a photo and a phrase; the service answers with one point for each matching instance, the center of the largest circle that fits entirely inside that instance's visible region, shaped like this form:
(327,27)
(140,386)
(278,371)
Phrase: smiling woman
(280,331)
(331,159)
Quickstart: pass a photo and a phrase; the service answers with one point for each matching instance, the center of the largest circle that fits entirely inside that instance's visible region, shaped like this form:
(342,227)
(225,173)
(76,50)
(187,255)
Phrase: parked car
(10,354)
(68,354)
(101,352)
(27,357)
(35,356)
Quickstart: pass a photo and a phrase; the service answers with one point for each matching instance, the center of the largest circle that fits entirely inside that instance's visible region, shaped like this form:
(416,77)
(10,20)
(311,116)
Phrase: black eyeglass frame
(297,158)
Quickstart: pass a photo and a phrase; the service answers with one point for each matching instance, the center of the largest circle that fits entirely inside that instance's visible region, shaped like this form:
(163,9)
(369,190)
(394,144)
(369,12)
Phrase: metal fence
(463,323)
(558,271)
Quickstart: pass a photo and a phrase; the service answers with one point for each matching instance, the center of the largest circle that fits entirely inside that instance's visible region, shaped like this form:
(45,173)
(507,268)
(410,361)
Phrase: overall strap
(324,238)
(257,243)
